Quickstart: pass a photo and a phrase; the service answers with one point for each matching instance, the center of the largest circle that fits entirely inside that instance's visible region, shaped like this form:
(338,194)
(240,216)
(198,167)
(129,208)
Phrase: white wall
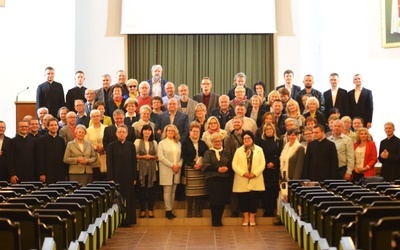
(320,37)
(100,49)
(67,35)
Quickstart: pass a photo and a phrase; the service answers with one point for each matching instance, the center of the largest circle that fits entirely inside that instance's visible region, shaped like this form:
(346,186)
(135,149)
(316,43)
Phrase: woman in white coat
(170,163)
(248,164)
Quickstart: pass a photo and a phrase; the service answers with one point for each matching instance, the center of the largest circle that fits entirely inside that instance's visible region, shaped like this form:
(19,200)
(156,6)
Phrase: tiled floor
(202,237)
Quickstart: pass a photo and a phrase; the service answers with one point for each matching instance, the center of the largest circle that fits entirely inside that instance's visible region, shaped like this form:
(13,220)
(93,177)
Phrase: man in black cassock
(21,157)
(321,159)
(122,169)
(50,155)
(389,154)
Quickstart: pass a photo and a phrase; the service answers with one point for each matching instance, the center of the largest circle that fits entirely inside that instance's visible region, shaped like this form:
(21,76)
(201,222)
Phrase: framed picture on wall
(2,3)
(390,23)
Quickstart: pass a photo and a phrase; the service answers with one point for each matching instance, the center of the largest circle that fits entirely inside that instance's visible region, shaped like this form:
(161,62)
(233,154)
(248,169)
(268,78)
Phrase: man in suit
(335,97)
(361,102)
(104,93)
(209,99)
(173,116)
(308,90)
(185,104)
(77,92)
(4,146)
(68,132)
(110,131)
(293,89)
(156,82)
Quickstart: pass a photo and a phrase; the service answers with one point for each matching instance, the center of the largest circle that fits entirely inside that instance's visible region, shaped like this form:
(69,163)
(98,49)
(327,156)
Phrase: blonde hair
(176,138)
(358,134)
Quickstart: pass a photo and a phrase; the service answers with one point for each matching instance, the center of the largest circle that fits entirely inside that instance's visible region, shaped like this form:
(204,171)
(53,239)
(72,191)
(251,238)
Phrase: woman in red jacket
(365,155)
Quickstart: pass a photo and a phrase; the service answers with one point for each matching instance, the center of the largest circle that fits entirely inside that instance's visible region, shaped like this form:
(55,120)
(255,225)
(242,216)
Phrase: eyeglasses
(132,86)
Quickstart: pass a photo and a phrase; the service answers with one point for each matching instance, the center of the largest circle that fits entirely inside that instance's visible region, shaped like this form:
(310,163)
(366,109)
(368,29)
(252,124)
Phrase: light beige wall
(320,37)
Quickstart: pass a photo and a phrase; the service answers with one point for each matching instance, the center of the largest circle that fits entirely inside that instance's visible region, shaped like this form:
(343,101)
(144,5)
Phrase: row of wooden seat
(71,214)
(322,216)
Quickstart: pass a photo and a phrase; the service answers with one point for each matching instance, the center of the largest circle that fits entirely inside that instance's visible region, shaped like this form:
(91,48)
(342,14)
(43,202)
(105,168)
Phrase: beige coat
(239,166)
(73,152)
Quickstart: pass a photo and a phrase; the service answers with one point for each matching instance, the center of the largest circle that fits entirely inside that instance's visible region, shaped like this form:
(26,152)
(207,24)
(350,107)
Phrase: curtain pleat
(186,59)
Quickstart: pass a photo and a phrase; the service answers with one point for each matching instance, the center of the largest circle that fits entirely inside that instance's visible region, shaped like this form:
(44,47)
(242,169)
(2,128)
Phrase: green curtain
(188,58)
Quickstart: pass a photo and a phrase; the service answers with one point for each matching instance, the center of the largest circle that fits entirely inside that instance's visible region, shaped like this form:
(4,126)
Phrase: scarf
(249,151)
(287,152)
(217,152)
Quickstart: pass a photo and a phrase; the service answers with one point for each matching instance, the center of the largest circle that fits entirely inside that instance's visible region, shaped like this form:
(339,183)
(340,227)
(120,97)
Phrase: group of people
(228,149)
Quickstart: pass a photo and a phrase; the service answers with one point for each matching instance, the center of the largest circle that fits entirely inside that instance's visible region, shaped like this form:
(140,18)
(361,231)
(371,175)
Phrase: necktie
(89,107)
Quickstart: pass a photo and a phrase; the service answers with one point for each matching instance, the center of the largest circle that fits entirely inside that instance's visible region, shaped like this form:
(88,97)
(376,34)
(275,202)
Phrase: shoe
(173,215)
(277,221)
(234,214)
(252,224)
(169,215)
(151,215)
(245,224)
(142,214)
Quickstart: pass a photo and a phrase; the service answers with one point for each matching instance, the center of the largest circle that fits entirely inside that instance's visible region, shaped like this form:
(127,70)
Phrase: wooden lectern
(22,109)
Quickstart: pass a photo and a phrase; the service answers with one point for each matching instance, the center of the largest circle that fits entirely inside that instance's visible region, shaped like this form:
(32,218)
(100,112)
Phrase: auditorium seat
(18,190)
(68,186)
(51,193)
(390,191)
(37,184)
(6,205)
(60,229)
(30,201)
(346,192)
(70,217)
(333,185)
(371,214)
(29,187)
(324,222)
(381,188)
(317,200)
(380,233)
(335,232)
(75,184)
(8,193)
(41,197)
(365,201)
(73,208)
(339,189)
(318,208)
(10,234)
(4,184)
(88,205)
(60,190)
(372,185)
(29,224)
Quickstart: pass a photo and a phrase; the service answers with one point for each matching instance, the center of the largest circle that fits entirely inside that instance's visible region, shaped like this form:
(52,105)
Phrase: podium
(22,109)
